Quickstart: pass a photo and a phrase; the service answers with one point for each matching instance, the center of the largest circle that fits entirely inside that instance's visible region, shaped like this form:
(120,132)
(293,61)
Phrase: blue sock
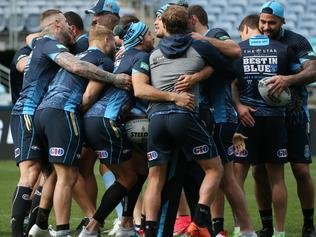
(108,179)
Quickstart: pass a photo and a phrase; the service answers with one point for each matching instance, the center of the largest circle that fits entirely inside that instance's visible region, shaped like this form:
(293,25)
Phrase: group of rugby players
(207,121)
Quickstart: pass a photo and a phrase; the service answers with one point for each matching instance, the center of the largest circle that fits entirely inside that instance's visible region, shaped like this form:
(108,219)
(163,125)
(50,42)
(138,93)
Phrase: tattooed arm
(91,72)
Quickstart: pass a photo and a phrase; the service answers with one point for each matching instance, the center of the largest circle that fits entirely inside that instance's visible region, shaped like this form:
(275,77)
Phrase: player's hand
(239,142)
(119,53)
(185,100)
(277,85)
(197,36)
(244,113)
(123,81)
(185,82)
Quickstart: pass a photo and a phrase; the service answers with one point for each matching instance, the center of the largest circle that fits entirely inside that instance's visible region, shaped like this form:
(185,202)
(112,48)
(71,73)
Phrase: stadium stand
(229,12)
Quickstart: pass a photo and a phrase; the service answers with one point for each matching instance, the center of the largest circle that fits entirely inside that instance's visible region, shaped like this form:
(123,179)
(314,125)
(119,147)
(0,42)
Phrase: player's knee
(302,174)
(29,174)
(128,179)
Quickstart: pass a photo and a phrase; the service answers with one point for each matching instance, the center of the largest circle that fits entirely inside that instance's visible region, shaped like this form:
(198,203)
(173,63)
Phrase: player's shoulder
(218,33)
(291,35)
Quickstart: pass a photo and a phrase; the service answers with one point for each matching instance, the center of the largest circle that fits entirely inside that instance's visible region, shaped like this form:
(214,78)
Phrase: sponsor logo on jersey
(17,152)
(144,66)
(102,154)
(56,151)
(152,155)
(200,150)
(282,153)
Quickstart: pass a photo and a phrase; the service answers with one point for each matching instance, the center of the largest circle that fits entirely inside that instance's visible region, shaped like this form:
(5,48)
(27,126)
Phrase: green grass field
(9,176)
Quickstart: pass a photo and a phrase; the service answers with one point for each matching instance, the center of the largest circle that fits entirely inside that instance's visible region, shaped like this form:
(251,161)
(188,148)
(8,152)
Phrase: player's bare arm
(91,72)
(186,81)
(306,76)
(20,66)
(227,47)
(91,94)
(244,111)
(143,90)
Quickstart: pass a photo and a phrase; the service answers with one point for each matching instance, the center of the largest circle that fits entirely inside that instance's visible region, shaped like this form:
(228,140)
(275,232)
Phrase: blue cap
(274,8)
(135,34)
(106,6)
(162,9)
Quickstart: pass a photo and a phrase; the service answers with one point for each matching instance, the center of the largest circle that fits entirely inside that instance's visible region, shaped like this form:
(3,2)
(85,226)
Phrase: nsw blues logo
(200,150)
(56,151)
(152,155)
(102,154)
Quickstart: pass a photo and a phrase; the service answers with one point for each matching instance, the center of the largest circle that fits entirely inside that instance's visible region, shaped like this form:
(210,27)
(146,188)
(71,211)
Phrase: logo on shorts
(307,151)
(152,155)
(231,150)
(200,150)
(35,148)
(56,151)
(241,154)
(282,153)
(102,154)
(17,152)
(26,197)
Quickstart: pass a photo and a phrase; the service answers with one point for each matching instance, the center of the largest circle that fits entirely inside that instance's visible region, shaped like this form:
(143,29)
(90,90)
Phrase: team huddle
(189,117)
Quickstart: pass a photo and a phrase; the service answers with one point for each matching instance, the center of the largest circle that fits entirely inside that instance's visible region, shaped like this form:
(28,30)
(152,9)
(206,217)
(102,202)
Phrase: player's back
(114,101)
(39,71)
(66,89)
(262,57)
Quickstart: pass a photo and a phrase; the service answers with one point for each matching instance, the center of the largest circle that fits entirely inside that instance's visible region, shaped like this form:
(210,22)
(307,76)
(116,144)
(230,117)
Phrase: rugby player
(262,57)
(217,89)
(297,116)
(107,116)
(167,63)
(54,26)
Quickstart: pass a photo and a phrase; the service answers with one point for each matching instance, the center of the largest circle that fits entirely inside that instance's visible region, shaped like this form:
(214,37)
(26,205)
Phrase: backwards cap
(106,6)
(273,7)
(163,8)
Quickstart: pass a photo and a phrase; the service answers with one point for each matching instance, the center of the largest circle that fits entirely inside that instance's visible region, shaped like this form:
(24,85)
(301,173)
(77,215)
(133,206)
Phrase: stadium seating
(225,13)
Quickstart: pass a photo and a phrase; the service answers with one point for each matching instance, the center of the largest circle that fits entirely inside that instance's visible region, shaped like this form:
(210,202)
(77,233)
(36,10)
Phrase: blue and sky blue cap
(106,6)
(273,7)
(135,35)
(162,9)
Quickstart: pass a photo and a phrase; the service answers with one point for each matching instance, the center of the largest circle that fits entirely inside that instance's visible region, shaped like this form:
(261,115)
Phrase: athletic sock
(20,204)
(266,218)
(150,228)
(130,200)
(218,225)
(202,215)
(42,218)
(110,199)
(62,230)
(308,218)
(108,179)
(34,207)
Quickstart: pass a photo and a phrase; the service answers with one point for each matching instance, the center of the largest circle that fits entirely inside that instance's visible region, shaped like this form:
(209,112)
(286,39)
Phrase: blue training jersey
(81,44)
(115,102)
(217,88)
(304,52)
(66,89)
(39,71)
(262,57)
